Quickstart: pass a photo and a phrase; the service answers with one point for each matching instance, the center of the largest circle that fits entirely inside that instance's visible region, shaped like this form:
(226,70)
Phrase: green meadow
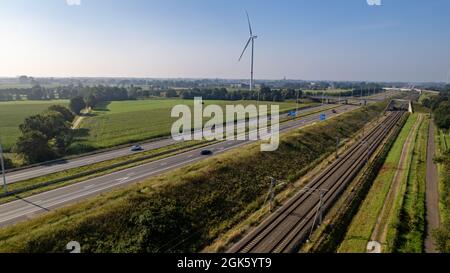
(12,114)
(122,122)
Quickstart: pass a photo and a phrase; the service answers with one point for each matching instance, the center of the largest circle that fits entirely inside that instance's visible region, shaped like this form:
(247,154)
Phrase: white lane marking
(122,179)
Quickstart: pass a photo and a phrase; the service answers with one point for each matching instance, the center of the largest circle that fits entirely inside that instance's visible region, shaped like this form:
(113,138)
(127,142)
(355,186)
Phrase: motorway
(63,165)
(30,207)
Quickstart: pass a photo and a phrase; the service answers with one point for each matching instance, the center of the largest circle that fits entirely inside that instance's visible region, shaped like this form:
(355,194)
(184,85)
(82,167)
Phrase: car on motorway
(136,148)
(334,111)
(206,152)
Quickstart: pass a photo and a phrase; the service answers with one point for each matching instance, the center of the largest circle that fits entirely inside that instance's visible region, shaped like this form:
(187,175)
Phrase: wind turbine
(252,40)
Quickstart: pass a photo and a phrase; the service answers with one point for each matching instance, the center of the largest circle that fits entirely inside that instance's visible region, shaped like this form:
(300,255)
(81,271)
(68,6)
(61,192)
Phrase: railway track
(290,225)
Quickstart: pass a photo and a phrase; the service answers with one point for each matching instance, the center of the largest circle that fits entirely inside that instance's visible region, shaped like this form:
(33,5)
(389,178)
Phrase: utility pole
(362,95)
(337,147)
(273,184)
(296,111)
(5,187)
(353,91)
(319,211)
(323,96)
(271,194)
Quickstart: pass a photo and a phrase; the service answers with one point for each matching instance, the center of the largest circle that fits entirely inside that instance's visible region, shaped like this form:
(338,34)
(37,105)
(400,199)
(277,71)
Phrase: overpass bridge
(344,100)
(400,105)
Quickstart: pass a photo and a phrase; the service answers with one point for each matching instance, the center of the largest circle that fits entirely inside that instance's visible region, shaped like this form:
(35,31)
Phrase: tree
(37,123)
(66,113)
(446,88)
(171,93)
(77,104)
(8,163)
(91,101)
(34,147)
(44,136)
(442,115)
(36,93)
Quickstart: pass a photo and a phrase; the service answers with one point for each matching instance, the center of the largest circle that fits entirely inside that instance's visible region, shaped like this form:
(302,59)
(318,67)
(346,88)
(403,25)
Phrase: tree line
(440,105)
(264,94)
(91,93)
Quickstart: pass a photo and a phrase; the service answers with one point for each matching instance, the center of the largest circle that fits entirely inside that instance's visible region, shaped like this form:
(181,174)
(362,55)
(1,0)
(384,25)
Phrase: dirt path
(78,119)
(379,233)
(77,122)
(432,192)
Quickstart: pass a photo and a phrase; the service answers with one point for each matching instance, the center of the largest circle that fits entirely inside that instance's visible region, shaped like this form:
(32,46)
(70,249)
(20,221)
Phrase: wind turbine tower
(251,40)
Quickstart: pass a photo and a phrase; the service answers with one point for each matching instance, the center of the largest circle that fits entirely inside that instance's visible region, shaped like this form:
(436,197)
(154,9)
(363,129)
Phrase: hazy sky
(402,40)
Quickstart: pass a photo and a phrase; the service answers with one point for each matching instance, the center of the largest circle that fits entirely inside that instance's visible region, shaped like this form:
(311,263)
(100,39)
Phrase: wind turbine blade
(249,24)
(245,48)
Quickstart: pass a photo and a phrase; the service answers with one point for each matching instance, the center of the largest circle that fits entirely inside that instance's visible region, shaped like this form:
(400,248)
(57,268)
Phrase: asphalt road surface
(432,192)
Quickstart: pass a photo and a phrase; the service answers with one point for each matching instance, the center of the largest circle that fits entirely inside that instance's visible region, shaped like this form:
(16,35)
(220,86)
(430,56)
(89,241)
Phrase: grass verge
(410,235)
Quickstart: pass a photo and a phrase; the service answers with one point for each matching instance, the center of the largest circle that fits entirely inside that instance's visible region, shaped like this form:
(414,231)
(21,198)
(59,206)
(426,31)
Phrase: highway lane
(22,209)
(38,171)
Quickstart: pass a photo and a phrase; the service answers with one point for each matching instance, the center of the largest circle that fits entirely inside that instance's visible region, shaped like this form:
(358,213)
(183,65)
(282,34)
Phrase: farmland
(12,114)
(132,121)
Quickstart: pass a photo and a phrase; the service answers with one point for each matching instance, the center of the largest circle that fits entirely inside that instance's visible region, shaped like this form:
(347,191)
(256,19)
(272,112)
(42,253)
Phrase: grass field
(12,114)
(409,236)
(361,228)
(132,121)
(191,206)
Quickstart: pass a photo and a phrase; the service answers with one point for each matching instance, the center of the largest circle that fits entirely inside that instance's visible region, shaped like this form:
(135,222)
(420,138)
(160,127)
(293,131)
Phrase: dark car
(136,148)
(334,111)
(206,152)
